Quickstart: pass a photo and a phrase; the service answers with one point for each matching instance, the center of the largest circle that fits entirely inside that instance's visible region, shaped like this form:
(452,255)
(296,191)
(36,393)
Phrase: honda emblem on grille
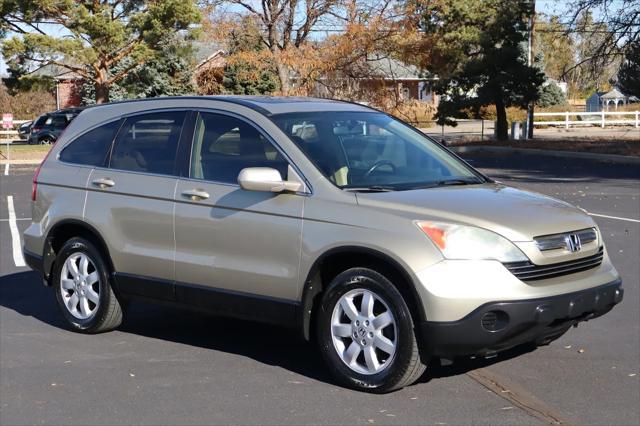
(573,242)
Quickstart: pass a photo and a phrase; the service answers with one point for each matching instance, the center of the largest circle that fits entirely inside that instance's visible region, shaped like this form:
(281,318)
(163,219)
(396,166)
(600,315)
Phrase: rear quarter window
(91,148)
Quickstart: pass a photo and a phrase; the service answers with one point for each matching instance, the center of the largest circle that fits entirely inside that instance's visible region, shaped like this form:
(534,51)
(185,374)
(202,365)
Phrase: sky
(555,7)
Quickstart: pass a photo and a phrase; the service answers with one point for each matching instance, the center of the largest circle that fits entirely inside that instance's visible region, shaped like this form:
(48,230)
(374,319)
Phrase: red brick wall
(69,93)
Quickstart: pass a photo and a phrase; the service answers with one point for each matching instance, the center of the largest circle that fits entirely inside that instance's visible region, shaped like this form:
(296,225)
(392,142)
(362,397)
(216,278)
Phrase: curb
(609,158)
(22,162)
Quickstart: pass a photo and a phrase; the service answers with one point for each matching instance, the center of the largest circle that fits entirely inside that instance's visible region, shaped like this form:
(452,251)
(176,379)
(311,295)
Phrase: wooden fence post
(602,120)
(566,120)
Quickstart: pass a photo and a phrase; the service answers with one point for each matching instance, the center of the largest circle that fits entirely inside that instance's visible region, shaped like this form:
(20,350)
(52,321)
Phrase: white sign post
(7,123)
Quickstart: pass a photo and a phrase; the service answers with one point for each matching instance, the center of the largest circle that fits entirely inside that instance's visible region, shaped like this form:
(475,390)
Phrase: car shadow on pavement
(24,293)
(463,365)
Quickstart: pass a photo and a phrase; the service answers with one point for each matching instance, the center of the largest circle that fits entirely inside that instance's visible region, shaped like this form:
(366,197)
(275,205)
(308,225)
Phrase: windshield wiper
(372,188)
(448,182)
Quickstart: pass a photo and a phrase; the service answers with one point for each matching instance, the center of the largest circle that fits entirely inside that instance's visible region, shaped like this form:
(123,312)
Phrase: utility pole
(532,20)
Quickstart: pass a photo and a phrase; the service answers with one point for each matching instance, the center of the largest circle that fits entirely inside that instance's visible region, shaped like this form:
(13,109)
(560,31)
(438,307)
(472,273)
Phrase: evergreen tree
(486,64)
(99,38)
(629,73)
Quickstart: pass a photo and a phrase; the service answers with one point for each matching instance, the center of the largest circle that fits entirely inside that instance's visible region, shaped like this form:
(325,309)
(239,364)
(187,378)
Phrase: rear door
(131,202)
(234,244)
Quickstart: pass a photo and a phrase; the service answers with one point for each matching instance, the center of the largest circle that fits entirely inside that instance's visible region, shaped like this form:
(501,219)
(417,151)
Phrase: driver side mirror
(266,179)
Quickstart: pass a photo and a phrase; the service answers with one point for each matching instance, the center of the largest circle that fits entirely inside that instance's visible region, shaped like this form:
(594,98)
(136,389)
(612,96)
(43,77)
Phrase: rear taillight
(34,183)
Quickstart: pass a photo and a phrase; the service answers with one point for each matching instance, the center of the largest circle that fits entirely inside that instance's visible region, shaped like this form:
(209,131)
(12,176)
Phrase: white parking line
(6,169)
(15,234)
(17,218)
(614,217)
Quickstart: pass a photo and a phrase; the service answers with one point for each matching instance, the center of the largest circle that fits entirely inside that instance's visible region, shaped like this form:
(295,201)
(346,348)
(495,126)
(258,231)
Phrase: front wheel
(366,335)
(83,290)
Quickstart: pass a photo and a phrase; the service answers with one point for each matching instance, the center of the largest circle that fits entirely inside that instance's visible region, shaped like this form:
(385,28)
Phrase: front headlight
(471,243)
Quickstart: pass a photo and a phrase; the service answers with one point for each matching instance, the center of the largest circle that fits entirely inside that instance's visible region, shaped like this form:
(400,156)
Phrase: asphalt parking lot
(169,366)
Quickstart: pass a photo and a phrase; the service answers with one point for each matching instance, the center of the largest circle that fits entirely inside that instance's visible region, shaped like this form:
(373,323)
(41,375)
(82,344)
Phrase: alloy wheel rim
(80,286)
(364,332)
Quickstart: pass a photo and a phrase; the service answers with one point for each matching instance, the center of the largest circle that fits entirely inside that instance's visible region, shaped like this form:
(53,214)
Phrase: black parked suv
(46,128)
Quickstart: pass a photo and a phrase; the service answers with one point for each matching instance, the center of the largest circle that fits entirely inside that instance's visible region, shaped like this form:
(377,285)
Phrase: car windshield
(372,151)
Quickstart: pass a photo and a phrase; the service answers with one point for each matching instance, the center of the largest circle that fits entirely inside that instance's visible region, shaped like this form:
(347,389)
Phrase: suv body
(182,200)
(47,128)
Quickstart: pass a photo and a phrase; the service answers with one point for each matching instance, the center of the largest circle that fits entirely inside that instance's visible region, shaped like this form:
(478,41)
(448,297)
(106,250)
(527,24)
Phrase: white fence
(11,133)
(589,118)
(8,136)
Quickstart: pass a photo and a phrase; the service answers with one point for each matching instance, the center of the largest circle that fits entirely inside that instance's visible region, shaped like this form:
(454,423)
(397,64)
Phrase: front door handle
(195,194)
(103,183)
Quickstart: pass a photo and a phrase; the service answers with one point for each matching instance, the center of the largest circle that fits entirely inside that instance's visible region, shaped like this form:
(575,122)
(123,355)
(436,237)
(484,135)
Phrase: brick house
(380,74)
(68,85)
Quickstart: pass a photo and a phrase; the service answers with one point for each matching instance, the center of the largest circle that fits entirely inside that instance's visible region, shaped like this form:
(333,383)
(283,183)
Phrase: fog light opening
(494,320)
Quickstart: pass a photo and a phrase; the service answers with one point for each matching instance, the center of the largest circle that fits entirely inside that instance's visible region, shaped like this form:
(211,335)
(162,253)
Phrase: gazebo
(614,96)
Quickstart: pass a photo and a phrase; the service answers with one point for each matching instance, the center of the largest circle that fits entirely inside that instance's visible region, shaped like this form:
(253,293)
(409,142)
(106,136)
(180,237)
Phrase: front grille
(559,241)
(527,271)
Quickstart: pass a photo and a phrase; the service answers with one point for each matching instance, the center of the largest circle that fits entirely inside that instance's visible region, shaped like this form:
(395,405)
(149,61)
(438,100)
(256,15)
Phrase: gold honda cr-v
(327,217)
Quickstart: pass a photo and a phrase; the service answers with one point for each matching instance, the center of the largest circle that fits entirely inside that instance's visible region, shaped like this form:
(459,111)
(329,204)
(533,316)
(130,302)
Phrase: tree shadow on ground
(539,169)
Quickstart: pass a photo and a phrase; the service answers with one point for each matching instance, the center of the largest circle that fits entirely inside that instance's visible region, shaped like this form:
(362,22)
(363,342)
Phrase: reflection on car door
(230,241)
(134,198)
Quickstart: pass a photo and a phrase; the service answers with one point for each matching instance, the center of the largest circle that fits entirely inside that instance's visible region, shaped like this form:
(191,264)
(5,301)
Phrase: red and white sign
(7,121)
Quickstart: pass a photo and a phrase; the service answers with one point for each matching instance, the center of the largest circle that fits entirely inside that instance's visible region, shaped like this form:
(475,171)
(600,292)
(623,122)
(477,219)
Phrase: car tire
(387,356)
(82,284)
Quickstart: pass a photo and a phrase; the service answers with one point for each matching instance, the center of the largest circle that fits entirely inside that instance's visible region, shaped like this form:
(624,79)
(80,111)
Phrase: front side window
(367,149)
(91,148)
(148,143)
(224,145)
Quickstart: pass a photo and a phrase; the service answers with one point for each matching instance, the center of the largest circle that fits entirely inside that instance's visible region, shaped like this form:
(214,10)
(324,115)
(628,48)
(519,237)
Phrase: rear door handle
(195,194)
(103,183)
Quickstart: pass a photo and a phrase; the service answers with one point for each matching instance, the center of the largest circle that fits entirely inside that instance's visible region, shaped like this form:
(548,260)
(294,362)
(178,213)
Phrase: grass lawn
(23,152)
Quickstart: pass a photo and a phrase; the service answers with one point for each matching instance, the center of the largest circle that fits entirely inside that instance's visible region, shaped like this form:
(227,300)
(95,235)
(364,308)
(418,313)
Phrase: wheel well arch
(339,259)
(61,232)
(46,135)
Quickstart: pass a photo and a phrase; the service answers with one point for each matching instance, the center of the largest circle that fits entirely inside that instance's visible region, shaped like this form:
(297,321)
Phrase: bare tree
(287,24)
(611,26)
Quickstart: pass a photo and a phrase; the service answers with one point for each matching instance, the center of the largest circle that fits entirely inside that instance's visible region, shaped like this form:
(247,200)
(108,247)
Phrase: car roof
(284,104)
(267,105)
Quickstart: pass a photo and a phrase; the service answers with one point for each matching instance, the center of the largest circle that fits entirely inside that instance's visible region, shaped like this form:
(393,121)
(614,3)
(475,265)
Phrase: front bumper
(497,326)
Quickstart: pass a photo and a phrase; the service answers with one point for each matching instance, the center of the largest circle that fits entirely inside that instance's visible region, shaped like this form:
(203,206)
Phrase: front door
(232,244)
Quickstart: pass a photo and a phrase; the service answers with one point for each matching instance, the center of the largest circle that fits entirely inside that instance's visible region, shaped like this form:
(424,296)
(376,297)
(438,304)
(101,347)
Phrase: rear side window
(91,148)
(58,121)
(148,143)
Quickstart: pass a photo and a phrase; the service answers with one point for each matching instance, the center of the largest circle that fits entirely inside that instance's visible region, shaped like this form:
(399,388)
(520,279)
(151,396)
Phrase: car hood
(515,214)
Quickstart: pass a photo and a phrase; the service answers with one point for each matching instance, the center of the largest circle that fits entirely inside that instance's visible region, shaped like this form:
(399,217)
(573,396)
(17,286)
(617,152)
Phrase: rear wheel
(366,335)
(83,290)
(46,140)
